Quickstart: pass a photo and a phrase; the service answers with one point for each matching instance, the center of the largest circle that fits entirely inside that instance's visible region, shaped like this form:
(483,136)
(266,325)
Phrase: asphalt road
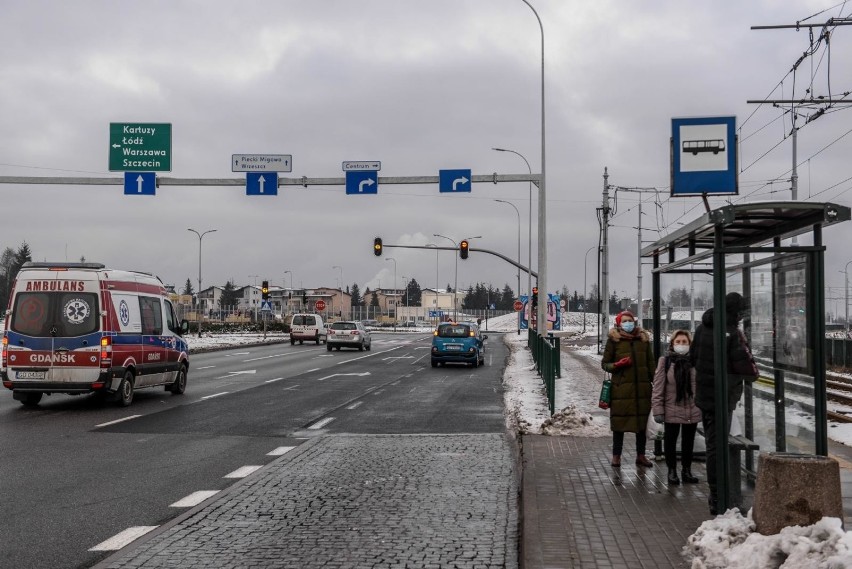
(75,471)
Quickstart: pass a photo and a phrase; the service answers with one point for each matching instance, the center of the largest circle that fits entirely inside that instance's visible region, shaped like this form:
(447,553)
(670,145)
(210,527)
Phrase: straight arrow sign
(261,184)
(140,183)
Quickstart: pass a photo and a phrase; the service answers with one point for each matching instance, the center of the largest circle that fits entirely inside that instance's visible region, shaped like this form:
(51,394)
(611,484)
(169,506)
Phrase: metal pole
(200,236)
(529,224)
(639,270)
(519,241)
(603,292)
(846,273)
(396,303)
(456,284)
(253,291)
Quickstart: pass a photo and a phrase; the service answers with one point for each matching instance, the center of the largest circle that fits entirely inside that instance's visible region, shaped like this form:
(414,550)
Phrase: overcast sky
(420,86)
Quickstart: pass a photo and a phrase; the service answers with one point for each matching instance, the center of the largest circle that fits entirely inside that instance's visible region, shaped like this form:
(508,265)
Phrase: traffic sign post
(261,163)
(140,147)
(140,183)
(454,181)
(262,184)
(362,182)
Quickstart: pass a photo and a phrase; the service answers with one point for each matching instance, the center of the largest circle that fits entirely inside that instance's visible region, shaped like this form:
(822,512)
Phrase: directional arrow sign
(261,184)
(140,183)
(140,147)
(362,182)
(454,181)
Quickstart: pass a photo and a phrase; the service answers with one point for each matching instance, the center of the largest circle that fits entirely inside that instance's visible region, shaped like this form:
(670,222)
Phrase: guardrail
(546,352)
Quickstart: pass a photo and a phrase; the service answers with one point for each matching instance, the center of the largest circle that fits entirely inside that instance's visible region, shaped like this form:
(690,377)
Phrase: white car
(348,334)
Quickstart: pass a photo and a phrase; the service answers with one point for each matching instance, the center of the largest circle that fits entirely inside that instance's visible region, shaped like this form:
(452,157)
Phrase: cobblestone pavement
(377,501)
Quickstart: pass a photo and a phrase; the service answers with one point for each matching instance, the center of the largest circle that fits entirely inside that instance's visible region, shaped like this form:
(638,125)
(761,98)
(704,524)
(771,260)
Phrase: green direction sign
(140,147)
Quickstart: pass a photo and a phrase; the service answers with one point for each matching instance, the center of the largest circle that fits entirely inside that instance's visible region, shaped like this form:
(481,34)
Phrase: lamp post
(846,273)
(200,237)
(519,241)
(456,282)
(253,292)
(339,268)
(542,201)
(585,295)
(396,303)
(529,229)
(437,251)
(290,295)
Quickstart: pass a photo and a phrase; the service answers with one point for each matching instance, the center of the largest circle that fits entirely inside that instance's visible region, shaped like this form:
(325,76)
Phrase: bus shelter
(773,254)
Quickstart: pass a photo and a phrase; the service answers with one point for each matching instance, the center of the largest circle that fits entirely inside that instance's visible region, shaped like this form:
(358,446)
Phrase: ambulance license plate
(30,375)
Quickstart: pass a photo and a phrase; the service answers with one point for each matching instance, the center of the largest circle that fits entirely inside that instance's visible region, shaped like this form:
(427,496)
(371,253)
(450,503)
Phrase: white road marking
(237,354)
(214,395)
(362,374)
(315,369)
(279,451)
(118,541)
(243,471)
(268,357)
(249,371)
(271,380)
(399,358)
(368,356)
(395,382)
(118,421)
(322,423)
(204,367)
(354,405)
(194,499)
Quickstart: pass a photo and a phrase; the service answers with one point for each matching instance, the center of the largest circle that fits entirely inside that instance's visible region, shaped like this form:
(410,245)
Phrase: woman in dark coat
(628,356)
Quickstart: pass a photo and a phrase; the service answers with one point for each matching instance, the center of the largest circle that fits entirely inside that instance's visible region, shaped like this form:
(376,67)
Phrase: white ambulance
(81,328)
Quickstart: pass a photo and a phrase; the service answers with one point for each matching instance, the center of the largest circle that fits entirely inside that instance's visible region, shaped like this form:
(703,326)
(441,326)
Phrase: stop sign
(320,305)
(518,305)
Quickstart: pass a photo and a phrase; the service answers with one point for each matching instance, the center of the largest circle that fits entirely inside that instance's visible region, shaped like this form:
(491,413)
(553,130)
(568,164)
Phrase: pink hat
(621,315)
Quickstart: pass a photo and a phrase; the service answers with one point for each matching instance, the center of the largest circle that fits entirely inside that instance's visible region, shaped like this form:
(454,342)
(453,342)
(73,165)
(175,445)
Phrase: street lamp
(395,304)
(529,244)
(542,201)
(519,241)
(846,273)
(253,292)
(339,268)
(437,251)
(200,237)
(456,283)
(585,296)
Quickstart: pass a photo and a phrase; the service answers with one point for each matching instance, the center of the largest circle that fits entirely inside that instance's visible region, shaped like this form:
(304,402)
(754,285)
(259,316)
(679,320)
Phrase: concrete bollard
(795,490)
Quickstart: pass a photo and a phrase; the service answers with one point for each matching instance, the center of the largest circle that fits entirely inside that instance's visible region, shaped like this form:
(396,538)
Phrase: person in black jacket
(740,367)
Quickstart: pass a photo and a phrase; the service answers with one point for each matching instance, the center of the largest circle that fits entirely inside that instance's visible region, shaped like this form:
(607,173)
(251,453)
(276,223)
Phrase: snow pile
(730,541)
(569,421)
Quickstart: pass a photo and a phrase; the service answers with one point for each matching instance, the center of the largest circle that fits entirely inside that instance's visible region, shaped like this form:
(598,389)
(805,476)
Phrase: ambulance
(81,328)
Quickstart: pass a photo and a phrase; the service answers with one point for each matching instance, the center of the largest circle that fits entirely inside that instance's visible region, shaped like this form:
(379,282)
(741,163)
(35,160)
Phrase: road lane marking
(354,405)
(315,369)
(291,388)
(243,471)
(194,499)
(237,354)
(395,382)
(118,541)
(272,356)
(279,451)
(214,395)
(118,421)
(249,371)
(204,367)
(368,356)
(322,423)
(362,374)
(271,380)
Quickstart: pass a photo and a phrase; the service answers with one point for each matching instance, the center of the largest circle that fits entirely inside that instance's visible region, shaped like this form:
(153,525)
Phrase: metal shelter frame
(753,234)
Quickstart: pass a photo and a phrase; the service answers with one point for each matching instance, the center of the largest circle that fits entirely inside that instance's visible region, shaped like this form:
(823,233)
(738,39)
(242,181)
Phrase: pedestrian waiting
(673,404)
(628,356)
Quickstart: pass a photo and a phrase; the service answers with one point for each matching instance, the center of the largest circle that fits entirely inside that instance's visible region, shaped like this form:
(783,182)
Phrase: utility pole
(603,296)
(639,270)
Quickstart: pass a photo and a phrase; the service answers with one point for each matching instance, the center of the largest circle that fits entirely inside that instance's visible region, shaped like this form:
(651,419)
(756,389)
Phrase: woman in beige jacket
(673,403)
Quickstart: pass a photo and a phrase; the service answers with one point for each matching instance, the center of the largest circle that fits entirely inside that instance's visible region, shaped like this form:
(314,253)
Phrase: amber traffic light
(264,290)
(377,246)
(464,247)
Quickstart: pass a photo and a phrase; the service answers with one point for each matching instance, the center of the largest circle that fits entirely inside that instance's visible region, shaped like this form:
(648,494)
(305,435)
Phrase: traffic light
(377,246)
(264,290)
(464,246)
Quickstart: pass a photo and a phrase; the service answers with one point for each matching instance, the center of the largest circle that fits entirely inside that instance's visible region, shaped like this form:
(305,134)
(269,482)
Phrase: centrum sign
(140,147)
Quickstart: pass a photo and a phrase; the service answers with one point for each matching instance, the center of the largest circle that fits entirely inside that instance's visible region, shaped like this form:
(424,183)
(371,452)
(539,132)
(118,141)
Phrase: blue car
(461,342)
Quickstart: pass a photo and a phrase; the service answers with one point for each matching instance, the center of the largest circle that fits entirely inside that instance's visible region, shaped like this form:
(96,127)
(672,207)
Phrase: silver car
(348,334)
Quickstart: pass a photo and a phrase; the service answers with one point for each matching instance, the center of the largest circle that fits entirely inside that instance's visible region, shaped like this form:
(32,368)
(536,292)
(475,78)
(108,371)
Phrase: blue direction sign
(261,184)
(704,156)
(362,182)
(140,183)
(454,180)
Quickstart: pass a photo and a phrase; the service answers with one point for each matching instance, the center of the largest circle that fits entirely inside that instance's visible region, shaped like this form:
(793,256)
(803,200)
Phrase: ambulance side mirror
(184,327)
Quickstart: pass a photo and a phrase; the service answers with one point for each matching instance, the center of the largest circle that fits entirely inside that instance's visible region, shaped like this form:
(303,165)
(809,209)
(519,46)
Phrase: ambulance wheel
(292,342)
(327,347)
(301,342)
(179,385)
(125,390)
(31,399)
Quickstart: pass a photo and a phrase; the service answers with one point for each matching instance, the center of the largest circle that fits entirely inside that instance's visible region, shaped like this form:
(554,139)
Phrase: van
(79,328)
(307,327)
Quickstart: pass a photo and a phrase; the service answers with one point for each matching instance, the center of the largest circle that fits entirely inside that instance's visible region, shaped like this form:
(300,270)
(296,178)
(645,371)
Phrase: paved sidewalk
(378,501)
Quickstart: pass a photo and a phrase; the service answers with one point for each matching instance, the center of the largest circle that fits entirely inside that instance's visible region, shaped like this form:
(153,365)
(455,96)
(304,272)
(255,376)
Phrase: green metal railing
(545,352)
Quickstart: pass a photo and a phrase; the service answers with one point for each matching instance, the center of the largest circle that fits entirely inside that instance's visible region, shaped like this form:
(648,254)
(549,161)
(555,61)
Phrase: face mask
(628,326)
(681,349)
